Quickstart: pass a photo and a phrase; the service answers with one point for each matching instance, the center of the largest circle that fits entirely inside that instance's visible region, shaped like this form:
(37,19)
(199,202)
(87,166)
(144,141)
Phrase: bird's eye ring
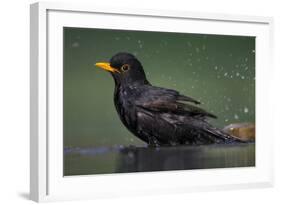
(125,67)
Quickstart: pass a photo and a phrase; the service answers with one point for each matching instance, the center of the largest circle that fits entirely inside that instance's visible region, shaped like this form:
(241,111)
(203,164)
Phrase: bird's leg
(153,142)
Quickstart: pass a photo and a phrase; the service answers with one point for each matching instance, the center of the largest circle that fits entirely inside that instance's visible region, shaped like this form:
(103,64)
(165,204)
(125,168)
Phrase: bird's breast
(125,107)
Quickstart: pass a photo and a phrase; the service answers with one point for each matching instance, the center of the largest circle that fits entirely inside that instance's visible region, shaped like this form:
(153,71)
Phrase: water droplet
(236,117)
(237,74)
(140,44)
(242,77)
(75,44)
(216,67)
(225,74)
(246,110)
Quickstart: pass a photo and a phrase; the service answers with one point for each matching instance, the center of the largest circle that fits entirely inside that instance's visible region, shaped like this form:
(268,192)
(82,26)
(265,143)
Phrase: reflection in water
(120,159)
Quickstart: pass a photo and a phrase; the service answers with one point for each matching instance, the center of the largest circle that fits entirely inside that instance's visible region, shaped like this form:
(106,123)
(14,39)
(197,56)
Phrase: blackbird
(158,116)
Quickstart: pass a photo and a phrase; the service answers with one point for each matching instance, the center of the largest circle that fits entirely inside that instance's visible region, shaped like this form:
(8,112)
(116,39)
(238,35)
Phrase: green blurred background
(217,70)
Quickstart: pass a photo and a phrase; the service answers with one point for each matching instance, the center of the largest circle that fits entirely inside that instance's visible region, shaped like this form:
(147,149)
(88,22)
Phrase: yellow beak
(107,67)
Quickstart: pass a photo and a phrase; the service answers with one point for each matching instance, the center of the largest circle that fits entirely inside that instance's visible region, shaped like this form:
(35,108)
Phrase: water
(80,161)
(217,70)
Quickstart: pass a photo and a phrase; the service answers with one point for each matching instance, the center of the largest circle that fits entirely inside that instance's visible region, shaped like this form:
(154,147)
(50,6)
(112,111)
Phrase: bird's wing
(175,107)
(187,99)
(172,126)
(170,101)
(167,94)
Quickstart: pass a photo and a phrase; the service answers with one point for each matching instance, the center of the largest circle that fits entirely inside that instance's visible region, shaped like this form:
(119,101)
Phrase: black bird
(158,116)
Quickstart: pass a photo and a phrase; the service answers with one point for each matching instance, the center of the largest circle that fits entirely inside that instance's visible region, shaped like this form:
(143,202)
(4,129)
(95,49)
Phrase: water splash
(75,44)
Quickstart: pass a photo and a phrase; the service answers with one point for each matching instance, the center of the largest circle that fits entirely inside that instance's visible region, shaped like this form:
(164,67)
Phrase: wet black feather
(160,116)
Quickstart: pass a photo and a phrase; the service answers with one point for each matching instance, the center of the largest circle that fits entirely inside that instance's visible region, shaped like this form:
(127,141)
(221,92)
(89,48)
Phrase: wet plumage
(156,115)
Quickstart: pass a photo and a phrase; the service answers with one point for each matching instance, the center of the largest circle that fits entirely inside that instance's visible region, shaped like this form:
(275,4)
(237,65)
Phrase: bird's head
(125,69)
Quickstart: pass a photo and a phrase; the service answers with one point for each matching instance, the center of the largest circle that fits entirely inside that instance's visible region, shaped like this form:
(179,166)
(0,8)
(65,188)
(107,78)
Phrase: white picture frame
(46,177)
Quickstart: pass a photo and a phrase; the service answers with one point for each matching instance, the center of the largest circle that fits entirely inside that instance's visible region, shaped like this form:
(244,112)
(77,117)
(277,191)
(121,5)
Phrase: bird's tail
(219,136)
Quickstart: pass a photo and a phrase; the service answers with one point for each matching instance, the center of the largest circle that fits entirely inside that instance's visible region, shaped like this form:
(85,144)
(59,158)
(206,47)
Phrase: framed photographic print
(123,98)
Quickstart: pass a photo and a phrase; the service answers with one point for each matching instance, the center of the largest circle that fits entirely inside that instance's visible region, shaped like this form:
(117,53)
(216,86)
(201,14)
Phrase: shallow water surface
(120,159)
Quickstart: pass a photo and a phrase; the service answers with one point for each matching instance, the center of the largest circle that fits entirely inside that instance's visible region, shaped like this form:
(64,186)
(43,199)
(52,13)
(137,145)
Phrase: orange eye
(125,67)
